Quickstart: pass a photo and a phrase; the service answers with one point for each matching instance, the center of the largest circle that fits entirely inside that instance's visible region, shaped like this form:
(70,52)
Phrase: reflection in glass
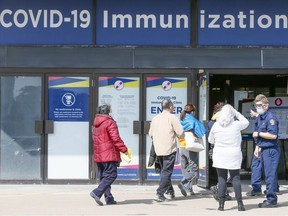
(20,147)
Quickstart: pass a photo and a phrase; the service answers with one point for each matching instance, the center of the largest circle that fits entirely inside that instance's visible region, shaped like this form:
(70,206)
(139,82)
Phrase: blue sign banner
(68,99)
(176,175)
(138,22)
(243,22)
(49,22)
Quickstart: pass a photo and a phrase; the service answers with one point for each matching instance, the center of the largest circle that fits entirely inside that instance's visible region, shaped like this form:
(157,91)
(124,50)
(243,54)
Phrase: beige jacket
(164,130)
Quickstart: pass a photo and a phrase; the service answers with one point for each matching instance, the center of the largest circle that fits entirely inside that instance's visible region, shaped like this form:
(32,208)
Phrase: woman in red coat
(107,147)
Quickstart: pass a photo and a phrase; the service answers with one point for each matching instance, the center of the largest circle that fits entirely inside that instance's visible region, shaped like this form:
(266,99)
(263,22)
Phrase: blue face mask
(260,111)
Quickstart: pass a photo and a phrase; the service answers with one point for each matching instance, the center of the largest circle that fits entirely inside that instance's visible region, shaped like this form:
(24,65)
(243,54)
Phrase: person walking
(267,148)
(164,130)
(227,156)
(216,111)
(189,159)
(107,145)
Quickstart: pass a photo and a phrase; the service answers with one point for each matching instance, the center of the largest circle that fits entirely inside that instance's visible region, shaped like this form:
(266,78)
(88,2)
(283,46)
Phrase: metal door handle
(137,127)
(49,127)
(146,127)
(39,127)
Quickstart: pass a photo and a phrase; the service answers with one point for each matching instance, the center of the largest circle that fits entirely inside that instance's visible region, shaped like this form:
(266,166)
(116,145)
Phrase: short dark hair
(104,109)
(166,104)
(218,106)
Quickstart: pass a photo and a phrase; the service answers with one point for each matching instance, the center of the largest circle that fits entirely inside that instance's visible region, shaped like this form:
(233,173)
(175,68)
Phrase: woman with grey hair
(227,156)
(107,145)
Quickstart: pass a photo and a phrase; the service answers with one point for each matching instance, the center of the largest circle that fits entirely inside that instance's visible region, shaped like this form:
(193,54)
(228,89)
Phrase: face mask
(260,111)
(111,115)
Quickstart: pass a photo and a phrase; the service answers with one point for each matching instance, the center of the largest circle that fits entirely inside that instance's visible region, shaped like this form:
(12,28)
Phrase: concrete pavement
(132,200)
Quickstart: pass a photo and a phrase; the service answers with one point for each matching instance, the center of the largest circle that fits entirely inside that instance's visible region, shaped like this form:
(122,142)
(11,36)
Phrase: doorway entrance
(46,121)
(68,128)
(135,100)
(238,86)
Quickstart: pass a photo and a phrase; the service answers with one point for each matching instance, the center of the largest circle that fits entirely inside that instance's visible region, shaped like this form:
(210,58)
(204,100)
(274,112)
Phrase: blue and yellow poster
(158,89)
(123,94)
(68,98)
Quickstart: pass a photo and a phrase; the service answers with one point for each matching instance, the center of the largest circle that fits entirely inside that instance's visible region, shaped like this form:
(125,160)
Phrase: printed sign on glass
(68,98)
(158,89)
(122,93)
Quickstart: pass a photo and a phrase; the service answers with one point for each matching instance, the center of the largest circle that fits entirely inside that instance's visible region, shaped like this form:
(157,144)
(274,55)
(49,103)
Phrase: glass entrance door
(20,145)
(159,88)
(68,120)
(123,94)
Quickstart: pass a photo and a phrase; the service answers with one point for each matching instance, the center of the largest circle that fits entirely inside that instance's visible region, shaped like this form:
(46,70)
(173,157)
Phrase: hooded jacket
(106,140)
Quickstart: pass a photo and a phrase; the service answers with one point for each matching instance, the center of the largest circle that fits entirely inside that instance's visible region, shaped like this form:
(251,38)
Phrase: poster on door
(68,146)
(68,98)
(122,93)
(158,89)
(278,105)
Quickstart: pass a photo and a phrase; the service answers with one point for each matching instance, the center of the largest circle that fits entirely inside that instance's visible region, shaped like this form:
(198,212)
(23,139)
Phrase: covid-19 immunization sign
(158,89)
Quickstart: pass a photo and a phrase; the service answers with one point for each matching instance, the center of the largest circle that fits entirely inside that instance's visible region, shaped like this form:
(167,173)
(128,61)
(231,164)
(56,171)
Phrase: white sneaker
(190,193)
(169,196)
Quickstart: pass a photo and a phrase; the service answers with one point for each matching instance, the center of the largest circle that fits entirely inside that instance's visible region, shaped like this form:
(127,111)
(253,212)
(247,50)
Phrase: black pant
(107,174)
(222,187)
(167,163)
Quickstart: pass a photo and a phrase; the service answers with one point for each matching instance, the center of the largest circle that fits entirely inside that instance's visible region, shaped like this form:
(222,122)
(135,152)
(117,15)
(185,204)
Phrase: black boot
(241,206)
(221,205)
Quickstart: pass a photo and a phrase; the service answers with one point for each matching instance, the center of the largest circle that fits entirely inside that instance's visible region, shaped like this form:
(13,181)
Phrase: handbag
(193,143)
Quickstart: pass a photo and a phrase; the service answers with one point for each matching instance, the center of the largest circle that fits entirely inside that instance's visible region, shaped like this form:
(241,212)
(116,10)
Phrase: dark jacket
(208,129)
(267,122)
(153,159)
(106,140)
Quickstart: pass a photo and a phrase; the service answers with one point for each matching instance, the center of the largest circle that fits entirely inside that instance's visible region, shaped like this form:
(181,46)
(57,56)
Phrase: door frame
(94,105)
(192,97)
(93,74)
(67,73)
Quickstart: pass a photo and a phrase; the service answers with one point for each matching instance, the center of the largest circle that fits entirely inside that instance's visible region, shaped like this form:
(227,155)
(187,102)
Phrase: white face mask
(260,111)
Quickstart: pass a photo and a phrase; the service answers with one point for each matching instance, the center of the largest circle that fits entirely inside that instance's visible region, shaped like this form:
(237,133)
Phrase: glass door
(123,94)
(203,180)
(20,144)
(159,88)
(68,128)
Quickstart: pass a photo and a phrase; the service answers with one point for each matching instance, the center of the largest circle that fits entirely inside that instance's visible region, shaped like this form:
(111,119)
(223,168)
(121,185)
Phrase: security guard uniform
(256,176)
(270,153)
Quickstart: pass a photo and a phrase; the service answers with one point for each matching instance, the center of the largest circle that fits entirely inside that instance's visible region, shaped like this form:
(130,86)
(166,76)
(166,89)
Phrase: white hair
(226,115)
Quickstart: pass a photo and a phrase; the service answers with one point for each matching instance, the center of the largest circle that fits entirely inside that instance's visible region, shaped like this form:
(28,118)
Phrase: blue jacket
(191,123)
(267,122)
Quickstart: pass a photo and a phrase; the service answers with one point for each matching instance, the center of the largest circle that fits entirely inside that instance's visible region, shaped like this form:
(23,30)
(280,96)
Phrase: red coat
(106,140)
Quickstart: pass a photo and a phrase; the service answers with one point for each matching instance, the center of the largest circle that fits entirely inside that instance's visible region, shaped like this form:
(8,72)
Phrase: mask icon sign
(68,99)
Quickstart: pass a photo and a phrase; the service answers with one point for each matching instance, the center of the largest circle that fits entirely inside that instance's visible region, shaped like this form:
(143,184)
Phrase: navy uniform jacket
(267,122)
